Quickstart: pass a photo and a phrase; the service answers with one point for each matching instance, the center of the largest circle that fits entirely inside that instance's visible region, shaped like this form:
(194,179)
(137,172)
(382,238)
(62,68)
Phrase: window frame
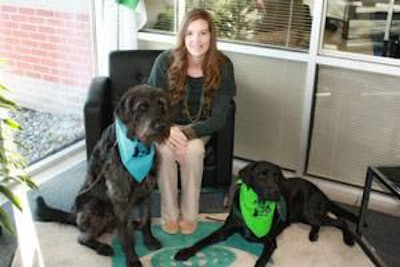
(313,57)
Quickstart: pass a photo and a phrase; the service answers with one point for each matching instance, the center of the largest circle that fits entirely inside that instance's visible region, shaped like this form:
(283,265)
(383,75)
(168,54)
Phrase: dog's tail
(46,213)
(342,212)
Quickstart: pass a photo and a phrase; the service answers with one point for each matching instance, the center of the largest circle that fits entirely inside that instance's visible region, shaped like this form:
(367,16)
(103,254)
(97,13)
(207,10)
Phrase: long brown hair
(211,63)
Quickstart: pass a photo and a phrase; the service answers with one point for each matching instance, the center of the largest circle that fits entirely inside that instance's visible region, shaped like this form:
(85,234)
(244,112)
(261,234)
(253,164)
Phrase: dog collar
(136,157)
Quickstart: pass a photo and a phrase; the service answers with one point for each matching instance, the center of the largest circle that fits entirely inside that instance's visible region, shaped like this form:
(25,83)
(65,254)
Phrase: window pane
(355,124)
(161,15)
(283,23)
(47,49)
(366,27)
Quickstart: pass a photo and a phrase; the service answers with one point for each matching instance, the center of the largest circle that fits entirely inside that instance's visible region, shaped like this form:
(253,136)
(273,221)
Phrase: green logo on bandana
(257,215)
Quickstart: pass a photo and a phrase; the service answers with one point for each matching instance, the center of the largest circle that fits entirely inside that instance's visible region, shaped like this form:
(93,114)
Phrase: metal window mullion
(180,8)
(94,27)
(358,65)
(315,43)
(389,20)
(289,24)
(101,67)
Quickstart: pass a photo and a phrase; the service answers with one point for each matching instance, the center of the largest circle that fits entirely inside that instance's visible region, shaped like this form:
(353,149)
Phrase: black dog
(301,202)
(110,192)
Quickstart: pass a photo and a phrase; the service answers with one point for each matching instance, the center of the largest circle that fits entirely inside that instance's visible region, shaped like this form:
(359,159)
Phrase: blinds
(282,23)
(164,20)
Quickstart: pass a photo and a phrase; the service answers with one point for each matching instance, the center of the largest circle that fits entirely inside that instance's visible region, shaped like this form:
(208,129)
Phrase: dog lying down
(266,203)
(121,173)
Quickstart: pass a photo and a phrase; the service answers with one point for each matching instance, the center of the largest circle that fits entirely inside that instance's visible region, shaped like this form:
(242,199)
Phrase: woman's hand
(178,142)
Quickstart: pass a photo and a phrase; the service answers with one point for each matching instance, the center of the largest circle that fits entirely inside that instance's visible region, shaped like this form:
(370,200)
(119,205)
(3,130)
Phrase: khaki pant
(191,173)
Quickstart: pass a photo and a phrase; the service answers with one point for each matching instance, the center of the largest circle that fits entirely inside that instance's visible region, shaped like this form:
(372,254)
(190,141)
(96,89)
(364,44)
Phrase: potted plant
(12,163)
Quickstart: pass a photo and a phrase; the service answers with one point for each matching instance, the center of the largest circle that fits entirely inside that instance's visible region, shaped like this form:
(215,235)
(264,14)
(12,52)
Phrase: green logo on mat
(221,254)
(209,257)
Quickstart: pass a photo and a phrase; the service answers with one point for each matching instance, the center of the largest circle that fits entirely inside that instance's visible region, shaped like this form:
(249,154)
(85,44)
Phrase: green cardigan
(208,123)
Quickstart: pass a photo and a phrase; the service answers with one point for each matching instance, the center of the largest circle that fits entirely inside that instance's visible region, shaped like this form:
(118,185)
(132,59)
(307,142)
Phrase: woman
(201,83)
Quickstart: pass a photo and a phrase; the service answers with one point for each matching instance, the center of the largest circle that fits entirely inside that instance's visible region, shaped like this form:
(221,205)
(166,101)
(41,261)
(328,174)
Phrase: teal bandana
(136,157)
(259,215)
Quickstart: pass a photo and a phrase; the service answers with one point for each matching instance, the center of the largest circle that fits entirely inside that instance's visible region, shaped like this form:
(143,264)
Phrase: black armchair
(130,68)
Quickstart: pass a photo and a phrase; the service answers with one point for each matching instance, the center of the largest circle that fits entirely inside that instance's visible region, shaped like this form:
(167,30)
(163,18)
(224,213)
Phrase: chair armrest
(224,151)
(97,111)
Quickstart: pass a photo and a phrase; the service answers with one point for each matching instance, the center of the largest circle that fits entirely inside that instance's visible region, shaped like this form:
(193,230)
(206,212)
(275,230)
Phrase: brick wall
(48,45)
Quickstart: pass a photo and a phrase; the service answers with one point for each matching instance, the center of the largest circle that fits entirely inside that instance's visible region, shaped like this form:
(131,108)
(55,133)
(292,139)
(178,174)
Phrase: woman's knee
(196,147)
(165,151)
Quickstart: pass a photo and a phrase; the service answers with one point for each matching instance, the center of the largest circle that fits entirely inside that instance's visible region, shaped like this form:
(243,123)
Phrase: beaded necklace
(193,117)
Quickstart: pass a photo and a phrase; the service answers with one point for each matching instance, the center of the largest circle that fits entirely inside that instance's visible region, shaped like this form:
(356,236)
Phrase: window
(355,124)
(365,27)
(283,23)
(161,16)
(47,49)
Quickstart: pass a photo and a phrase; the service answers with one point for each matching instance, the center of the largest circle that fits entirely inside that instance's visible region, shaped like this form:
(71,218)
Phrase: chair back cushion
(129,68)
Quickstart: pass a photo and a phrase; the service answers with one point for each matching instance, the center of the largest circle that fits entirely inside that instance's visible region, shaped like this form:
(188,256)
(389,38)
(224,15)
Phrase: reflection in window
(283,23)
(161,16)
(366,27)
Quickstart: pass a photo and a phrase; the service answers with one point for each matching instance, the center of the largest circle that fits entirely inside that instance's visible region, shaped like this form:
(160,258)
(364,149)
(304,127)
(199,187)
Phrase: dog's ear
(125,104)
(245,172)
(278,172)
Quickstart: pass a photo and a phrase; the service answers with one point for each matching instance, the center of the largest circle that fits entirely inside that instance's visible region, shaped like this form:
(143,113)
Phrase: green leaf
(10,195)
(25,178)
(3,87)
(12,124)
(7,103)
(6,222)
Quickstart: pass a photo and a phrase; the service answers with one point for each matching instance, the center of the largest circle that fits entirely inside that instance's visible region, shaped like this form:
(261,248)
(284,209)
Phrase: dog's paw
(183,254)
(153,244)
(40,202)
(261,263)
(41,210)
(105,250)
(135,263)
(349,239)
(313,237)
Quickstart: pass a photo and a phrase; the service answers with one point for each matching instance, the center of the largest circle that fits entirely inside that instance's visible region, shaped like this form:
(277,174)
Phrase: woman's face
(197,38)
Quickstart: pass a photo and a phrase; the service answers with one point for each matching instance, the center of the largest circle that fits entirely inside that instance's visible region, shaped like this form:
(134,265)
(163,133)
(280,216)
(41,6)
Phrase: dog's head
(145,111)
(264,178)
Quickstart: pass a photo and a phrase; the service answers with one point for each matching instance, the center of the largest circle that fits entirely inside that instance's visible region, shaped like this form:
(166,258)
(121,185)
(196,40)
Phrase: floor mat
(57,246)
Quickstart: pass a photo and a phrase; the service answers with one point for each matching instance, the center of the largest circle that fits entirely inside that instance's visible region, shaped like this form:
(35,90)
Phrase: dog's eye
(143,106)
(162,104)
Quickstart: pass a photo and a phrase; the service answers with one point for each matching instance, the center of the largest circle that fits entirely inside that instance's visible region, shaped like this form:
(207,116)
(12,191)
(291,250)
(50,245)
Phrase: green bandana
(257,215)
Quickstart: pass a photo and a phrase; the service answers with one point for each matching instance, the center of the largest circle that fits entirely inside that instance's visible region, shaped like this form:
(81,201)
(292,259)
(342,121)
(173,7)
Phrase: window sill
(234,47)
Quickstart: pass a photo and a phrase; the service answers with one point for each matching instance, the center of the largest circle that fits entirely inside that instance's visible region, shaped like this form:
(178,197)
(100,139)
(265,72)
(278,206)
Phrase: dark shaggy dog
(106,200)
(305,203)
